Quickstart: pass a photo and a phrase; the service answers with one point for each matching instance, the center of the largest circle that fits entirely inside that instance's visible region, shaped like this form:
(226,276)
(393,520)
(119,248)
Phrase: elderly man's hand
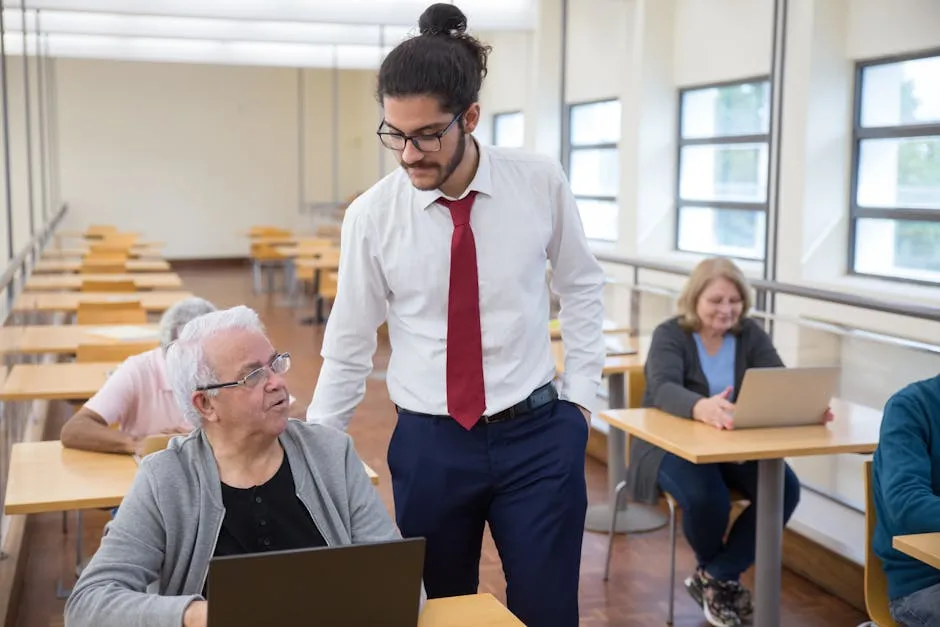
(196,614)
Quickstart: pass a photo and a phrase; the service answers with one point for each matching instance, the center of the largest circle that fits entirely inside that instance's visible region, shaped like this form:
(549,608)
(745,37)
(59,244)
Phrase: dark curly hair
(441,61)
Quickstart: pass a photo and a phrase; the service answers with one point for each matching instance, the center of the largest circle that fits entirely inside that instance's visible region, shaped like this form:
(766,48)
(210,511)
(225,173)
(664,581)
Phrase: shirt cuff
(579,390)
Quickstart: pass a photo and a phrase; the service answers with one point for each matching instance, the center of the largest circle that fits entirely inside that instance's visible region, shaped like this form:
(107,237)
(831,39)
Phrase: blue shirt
(906,482)
(718,368)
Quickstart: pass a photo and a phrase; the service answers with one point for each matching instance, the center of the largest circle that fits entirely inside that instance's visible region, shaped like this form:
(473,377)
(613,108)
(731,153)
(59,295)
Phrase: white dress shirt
(395,266)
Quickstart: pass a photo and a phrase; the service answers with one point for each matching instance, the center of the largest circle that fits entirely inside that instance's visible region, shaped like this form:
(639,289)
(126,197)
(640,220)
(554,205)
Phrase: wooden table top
(64,339)
(63,381)
(46,266)
(72,281)
(854,430)
(77,252)
(47,477)
(922,546)
(154,301)
(613,364)
(472,610)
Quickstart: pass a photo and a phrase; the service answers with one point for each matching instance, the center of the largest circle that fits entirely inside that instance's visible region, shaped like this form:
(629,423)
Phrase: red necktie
(466,395)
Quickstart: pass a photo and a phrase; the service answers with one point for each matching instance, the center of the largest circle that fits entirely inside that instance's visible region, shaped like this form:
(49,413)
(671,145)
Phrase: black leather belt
(536,400)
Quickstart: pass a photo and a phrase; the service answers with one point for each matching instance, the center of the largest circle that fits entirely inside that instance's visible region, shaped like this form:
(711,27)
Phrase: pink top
(138,397)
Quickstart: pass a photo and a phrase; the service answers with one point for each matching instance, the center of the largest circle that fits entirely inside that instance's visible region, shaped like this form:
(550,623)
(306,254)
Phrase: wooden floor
(635,596)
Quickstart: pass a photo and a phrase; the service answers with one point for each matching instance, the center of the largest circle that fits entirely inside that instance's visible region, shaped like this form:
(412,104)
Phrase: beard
(443,171)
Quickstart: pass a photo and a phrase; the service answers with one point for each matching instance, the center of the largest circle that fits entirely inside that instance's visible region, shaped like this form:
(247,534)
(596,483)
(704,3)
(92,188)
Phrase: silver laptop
(785,397)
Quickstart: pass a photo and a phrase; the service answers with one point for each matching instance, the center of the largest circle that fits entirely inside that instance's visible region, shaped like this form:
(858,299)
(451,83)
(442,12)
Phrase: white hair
(176,317)
(186,364)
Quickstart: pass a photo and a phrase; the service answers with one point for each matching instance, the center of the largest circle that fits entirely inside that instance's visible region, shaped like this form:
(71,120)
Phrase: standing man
(482,434)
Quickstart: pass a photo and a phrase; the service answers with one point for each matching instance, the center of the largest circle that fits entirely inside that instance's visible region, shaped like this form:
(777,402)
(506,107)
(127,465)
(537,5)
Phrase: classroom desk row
(47,266)
(142,281)
(47,302)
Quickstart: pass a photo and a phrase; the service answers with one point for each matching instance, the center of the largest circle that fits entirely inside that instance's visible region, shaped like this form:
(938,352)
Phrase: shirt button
(257,499)
(263,522)
(267,542)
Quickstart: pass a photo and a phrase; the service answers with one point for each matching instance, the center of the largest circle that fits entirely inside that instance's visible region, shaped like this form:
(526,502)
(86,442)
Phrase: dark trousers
(525,477)
(701,490)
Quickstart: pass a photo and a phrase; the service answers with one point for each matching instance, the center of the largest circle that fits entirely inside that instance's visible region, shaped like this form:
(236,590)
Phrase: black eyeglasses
(279,365)
(424,143)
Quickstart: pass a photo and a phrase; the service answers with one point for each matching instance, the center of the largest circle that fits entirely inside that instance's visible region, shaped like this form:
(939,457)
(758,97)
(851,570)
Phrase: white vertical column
(543,110)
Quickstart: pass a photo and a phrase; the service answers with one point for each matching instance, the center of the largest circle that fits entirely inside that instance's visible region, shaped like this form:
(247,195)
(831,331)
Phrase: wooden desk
(625,385)
(153,302)
(72,281)
(46,477)
(855,430)
(922,546)
(63,339)
(46,266)
(66,381)
(136,251)
(472,610)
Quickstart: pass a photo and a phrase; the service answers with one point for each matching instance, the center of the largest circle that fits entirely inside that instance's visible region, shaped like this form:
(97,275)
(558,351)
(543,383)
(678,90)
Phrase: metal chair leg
(619,493)
(672,560)
(256,277)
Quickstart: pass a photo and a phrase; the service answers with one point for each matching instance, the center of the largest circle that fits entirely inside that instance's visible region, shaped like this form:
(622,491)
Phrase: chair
(108,247)
(264,256)
(112,352)
(876,584)
(99,231)
(124,312)
(619,496)
(124,285)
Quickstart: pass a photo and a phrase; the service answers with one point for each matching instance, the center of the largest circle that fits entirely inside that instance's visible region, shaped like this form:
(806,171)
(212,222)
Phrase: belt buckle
(500,417)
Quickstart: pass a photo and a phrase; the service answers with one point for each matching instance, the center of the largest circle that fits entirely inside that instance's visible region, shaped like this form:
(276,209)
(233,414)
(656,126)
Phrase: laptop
(785,397)
(359,584)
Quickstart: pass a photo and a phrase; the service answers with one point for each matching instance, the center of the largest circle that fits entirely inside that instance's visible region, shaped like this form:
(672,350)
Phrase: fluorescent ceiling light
(73,23)
(482,14)
(345,57)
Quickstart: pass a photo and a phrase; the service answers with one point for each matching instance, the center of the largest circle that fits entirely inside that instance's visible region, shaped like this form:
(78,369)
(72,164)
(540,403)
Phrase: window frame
(861,133)
(568,148)
(754,138)
(495,122)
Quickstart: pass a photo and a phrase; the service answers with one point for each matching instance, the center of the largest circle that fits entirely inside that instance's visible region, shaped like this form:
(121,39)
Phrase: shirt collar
(482,182)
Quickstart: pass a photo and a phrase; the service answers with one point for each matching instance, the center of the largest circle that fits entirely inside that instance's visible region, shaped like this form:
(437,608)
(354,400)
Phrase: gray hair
(176,317)
(186,364)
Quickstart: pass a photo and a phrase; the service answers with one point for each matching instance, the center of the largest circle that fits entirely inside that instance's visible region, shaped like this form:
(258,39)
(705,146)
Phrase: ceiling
(348,34)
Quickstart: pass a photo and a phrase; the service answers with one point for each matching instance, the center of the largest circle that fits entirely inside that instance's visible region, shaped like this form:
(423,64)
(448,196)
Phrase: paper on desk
(127,332)
(615,347)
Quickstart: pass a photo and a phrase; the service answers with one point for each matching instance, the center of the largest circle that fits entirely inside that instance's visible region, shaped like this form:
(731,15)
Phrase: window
(593,161)
(721,199)
(895,202)
(509,129)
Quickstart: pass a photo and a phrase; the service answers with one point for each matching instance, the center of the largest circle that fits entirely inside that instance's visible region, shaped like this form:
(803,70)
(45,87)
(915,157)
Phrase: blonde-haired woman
(694,368)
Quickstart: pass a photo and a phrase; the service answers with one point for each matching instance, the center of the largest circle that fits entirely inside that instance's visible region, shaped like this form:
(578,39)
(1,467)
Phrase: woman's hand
(828,416)
(715,410)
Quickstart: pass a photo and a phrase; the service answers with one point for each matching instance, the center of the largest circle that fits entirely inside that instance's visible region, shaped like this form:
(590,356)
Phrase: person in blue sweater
(906,484)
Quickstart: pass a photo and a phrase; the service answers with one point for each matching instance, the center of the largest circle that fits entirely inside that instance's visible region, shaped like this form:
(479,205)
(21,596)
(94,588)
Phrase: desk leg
(61,591)
(769,542)
(637,517)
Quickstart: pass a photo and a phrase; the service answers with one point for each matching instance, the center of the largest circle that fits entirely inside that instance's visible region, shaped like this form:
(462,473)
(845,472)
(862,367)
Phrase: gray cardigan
(675,382)
(169,521)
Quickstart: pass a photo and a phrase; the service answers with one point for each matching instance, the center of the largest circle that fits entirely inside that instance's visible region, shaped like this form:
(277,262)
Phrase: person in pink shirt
(137,397)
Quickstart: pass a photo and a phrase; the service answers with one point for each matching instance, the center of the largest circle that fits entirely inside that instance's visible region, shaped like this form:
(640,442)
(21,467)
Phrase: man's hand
(196,614)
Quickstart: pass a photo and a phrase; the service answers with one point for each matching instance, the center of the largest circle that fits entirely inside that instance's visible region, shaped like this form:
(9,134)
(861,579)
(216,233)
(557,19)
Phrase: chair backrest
(109,248)
(125,312)
(101,259)
(876,584)
(118,351)
(124,285)
(100,230)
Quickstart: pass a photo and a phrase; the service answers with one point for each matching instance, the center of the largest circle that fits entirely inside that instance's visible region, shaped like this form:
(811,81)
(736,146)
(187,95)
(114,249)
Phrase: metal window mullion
(724,204)
(898,132)
(725,140)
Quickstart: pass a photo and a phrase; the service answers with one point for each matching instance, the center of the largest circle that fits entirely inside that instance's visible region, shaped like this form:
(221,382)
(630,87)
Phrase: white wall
(193,155)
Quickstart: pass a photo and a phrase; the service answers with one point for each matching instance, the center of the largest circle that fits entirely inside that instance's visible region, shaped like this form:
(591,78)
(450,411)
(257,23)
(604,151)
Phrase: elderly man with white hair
(246,480)
(137,397)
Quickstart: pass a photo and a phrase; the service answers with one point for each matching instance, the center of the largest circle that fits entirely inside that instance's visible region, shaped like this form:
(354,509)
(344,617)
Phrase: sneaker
(695,585)
(720,603)
(744,603)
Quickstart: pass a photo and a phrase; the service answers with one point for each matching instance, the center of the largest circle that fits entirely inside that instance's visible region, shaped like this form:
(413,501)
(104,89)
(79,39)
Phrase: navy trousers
(525,477)
(702,492)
